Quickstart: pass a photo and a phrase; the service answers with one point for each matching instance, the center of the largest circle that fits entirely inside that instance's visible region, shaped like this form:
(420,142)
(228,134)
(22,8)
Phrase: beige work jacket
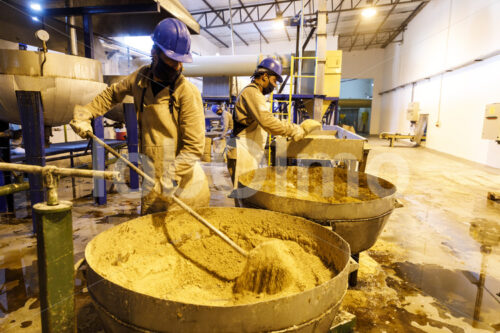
(227,120)
(172,137)
(252,110)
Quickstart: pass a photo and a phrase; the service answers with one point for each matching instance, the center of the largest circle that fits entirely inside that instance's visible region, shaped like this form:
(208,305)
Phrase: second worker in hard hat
(227,120)
(170,116)
(253,121)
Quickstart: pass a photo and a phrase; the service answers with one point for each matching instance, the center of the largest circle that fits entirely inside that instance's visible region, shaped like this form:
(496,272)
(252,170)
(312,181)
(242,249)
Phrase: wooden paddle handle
(177,200)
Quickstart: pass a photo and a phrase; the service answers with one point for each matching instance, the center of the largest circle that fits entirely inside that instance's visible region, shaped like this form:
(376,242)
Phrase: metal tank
(123,310)
(359,223)
(66,81)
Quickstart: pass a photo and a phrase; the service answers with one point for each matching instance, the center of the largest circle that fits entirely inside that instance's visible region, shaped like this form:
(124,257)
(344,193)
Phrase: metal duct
(238,65)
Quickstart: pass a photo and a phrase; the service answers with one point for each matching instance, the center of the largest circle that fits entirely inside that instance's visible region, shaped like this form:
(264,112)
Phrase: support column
(31,111)
(99,162)
(321,59)
(55,266)
(353,277)
(6,202)
(88,36)
(132,141)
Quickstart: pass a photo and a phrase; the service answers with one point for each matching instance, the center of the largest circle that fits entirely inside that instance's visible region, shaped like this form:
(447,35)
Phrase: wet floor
(434,268)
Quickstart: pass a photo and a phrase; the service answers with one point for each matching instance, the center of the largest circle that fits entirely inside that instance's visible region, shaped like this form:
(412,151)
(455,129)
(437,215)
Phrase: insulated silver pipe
(73,46)
(109,175)
(238,65)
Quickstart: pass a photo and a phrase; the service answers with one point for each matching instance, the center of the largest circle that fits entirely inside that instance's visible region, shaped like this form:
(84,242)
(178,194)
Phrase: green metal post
(55,266)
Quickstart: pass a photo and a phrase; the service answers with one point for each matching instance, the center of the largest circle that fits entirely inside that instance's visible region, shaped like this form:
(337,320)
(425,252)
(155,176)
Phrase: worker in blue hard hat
(227,119)
(253,119)
(170,116)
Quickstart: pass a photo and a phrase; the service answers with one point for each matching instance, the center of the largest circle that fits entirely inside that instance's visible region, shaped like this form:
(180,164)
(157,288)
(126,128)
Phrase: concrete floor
(435,267)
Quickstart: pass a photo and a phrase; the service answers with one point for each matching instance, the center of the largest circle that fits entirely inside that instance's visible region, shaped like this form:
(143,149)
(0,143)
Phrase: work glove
(166,187)
(310,125)
(298,133)
(81,121)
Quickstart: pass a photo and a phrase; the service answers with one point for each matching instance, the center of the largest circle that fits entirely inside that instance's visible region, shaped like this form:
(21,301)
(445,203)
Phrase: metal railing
(289,107)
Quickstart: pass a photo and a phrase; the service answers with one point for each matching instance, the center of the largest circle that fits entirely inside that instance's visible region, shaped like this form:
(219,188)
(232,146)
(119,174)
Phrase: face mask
(164,72)
(268,89)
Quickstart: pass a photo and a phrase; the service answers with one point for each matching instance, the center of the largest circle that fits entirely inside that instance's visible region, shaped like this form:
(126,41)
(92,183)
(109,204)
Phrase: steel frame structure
(266,12)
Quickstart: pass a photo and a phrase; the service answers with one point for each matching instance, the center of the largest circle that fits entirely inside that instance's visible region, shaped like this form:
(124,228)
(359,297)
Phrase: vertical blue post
(6,202)
(295,116)
(132,141)
(31,111)
(336,115)
(98,162)
(3,199)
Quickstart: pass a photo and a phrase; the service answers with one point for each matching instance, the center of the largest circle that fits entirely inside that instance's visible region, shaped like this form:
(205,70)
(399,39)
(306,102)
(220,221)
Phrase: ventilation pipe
(240,65)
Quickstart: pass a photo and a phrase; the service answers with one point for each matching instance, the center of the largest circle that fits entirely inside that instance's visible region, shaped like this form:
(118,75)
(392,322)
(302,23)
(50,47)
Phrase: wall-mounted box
(491,124)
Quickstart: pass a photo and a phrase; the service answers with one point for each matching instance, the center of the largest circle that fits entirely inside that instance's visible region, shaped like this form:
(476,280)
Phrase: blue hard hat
(173,38)
(273,65)
(215,107)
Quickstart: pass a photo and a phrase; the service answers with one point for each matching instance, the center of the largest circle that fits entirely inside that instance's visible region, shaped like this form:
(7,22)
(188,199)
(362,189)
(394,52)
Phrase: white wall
(447,33)
(367,64)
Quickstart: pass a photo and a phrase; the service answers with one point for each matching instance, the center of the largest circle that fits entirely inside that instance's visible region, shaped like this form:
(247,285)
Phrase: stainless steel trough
(67,80)
(359,223)
(124,310)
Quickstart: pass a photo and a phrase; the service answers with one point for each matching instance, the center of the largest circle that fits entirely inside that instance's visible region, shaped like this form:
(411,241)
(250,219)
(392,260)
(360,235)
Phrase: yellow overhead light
(369,12)
(278,24)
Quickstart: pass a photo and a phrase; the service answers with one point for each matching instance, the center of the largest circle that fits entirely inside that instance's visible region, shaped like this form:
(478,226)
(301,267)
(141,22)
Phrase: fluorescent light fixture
(36,6)
(369,12)
(278,24)
(34,18)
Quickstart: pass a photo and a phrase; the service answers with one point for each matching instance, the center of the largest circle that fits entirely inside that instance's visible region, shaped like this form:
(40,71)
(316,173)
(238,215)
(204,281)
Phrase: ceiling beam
(255,25)
(345,8)
(223,21)
(355,33)
(338,15)
(405,23)
(286,30)
(382,23)
(145,8)
(345,41)
(242,18)
(215,37)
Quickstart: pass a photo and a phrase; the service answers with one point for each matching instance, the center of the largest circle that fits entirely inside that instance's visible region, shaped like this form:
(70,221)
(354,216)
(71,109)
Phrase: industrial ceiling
(18,21)
(254,20)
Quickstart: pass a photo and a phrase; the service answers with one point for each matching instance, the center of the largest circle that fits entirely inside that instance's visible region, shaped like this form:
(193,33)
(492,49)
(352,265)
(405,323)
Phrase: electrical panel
(491,125)
(333,70)
(413,111)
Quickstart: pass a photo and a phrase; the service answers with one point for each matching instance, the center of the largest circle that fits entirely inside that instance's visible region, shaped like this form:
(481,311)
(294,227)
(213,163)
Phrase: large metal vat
(66,81)
(123,310)
(359,223)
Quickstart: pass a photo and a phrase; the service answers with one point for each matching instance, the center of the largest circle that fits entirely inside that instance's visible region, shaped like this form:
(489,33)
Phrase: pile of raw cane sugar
(177,258)
(319,184)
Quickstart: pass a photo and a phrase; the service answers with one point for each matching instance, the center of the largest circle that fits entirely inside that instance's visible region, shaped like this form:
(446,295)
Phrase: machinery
(491,131)
(491,124)
(418,126)
(54,233)
(358,223)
